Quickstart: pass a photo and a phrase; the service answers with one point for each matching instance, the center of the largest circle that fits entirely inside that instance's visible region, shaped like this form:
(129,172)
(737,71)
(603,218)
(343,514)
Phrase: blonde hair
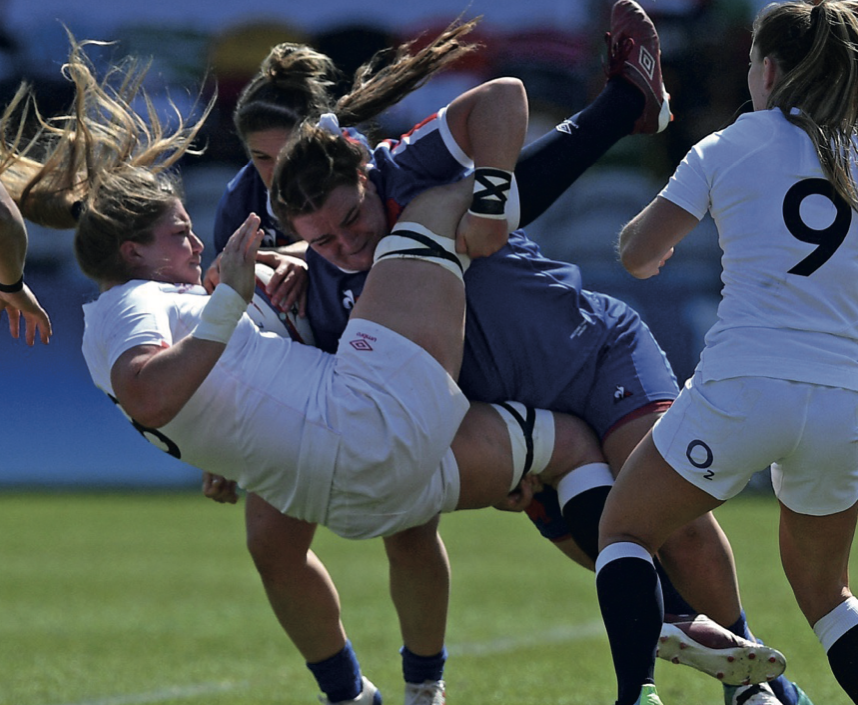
(815,44)
(314,162)
(102,168)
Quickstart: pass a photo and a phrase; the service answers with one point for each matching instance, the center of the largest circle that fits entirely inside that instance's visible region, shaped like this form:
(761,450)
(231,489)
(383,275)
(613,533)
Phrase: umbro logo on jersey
(647,62)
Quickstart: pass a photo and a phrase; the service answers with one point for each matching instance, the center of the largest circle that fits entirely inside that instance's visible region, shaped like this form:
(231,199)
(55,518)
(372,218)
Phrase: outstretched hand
(238,259)
(23,304)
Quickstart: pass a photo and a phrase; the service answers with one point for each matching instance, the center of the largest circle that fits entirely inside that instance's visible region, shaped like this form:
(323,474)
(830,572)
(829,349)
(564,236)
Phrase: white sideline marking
(496,646)
(159,696)
(558,635)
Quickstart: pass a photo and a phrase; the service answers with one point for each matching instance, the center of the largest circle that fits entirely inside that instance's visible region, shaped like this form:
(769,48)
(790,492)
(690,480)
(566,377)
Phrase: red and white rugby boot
(634,53)
(707,646)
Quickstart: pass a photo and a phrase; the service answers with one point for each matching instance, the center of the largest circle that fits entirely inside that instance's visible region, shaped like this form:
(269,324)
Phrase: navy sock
(782,688)
(740,628)
(581,515)
(843,659)
(552,163)
(630,600)
(674,603)
(417,669)
(339,676)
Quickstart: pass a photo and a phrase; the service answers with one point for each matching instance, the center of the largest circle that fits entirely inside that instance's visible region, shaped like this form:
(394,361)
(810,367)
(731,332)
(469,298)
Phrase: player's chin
(195,274)
(360,262)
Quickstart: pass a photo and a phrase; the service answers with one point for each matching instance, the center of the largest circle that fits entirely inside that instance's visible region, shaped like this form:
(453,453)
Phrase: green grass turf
(119,599)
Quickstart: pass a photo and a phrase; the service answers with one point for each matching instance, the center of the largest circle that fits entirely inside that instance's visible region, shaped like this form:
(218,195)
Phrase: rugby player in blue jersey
(574,350)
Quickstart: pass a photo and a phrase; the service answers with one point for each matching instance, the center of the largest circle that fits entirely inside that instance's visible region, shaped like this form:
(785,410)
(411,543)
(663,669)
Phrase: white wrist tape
(220,315)
(415,241)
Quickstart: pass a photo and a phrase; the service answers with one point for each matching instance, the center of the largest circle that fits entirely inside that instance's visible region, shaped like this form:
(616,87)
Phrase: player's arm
(489,123)
(296,249)
(152,383)
(13,240)
(647,241)
(15,297)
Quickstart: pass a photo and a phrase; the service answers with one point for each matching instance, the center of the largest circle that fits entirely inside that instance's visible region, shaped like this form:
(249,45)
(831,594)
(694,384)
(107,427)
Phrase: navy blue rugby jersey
(246,194)
(529,327)
(529,330)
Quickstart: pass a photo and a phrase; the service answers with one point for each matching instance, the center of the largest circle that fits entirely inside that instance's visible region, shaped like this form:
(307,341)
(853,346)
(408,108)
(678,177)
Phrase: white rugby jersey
(789,304)
(256,419)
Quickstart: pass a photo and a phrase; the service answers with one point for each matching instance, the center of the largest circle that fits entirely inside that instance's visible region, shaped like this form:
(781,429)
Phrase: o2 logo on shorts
(828,239)
(700,456)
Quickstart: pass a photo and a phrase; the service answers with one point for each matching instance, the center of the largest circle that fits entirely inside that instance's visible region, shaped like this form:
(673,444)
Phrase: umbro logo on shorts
(362,342)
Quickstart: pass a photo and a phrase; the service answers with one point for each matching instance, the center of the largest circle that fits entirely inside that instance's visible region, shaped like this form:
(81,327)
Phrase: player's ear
(365,184)
(771,73)
(130,252)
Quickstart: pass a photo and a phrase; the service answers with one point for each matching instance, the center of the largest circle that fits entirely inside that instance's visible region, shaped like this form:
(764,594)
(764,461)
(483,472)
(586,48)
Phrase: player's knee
(687,544)
(278,545)
(414,544)
(575,445)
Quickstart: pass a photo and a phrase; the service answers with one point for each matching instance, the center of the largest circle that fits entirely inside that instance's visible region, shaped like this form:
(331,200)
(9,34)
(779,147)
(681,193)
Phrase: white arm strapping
(410,240)
(220,315)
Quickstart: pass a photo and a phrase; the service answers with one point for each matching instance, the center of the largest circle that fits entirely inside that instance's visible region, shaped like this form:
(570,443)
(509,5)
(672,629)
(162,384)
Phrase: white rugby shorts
(398,411)
(718,433)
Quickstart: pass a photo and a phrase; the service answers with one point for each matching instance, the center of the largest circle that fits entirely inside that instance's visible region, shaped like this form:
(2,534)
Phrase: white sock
(837,622)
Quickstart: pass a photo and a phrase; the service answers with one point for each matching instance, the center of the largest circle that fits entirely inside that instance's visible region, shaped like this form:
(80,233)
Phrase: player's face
(264,146)
(347,228)
(174,253)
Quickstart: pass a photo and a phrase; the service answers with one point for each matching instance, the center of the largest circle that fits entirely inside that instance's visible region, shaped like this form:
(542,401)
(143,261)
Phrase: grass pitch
(119,599)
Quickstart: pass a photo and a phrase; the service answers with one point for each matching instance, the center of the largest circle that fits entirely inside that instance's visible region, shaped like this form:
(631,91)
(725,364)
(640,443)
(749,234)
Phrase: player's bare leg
(815,555)
(298,586)
(698,556)
(416,298)
(420,588)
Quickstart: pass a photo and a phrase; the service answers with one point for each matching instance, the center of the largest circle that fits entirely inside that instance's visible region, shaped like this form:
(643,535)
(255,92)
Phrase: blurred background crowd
(57,430)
